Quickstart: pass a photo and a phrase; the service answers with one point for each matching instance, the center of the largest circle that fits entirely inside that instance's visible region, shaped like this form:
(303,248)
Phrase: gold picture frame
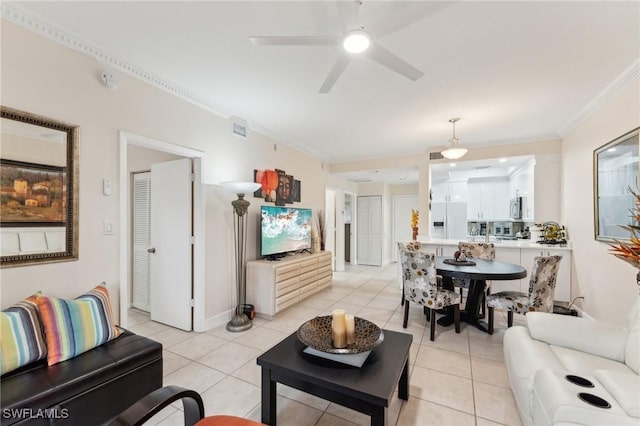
(37,153)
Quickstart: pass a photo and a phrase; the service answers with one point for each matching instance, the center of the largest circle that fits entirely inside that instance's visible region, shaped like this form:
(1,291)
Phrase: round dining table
(477,275)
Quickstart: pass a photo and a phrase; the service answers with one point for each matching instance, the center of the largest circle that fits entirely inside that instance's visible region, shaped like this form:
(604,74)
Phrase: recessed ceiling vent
(482,167)
(239,128)
(435,156)
(361,180)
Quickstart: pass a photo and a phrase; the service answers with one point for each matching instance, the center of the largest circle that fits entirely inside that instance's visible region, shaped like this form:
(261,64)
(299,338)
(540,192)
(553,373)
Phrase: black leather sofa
(90,389)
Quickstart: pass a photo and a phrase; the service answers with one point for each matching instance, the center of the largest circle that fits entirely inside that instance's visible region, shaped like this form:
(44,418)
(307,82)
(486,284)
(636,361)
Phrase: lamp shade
(453,153)
(240,187)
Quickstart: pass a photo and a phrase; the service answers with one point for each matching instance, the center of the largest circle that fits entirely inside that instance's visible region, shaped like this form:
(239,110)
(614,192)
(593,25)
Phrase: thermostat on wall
(106,186)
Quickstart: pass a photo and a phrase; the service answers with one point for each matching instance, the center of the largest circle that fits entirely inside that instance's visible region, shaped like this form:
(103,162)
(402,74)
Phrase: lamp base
(239,323)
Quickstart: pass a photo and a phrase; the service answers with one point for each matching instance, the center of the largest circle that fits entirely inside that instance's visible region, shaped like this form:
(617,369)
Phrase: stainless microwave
(515,208)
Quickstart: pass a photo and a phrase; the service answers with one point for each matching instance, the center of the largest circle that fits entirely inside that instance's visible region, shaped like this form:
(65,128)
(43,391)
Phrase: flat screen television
(284,229)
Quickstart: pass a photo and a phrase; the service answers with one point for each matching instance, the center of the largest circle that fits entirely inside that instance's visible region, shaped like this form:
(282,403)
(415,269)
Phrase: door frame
(198,157)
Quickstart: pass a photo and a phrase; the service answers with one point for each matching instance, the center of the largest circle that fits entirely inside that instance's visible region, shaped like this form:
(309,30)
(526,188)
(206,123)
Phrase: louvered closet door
(141,240)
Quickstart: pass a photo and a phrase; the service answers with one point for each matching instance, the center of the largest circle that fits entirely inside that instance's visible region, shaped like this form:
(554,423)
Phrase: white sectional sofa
(539,356)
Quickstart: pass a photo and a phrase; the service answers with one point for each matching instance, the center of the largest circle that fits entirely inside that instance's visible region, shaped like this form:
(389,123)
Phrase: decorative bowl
(459,262)
(316,333)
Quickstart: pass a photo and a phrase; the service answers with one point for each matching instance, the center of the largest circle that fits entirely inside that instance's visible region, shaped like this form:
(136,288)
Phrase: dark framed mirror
(615,170)
(39,189)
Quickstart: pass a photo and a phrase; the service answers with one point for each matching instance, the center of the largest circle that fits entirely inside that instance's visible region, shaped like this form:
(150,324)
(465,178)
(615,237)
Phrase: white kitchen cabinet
(501,200)
(440,249)
(446,192)
(563,280)
(480,203)
(458,192)
(488,200)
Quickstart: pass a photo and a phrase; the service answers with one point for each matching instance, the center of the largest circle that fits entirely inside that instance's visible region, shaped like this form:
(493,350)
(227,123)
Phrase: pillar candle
(350,323)
(338,329)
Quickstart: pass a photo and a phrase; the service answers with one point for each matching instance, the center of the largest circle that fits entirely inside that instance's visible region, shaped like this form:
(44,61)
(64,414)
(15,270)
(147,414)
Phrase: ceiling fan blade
(295,40)
(408,13)
(391,61)
(349,11)
(336,71)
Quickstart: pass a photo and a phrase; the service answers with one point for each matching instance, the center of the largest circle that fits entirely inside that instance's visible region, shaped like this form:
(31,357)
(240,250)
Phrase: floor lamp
(240,322)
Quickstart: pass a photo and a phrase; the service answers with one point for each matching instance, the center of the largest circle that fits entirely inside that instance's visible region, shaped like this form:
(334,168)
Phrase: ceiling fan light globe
(453,153)
(356,41)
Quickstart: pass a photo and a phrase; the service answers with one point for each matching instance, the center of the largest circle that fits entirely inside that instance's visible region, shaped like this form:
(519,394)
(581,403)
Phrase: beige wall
(608,284)
(408,189)
(42,77)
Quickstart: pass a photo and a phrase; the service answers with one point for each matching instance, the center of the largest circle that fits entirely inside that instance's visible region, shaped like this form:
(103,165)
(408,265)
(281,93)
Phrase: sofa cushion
(40,386)
(22,342)
(523,356)
(583,363)
(624,387)
(632,349)
(577,333)
(75,326)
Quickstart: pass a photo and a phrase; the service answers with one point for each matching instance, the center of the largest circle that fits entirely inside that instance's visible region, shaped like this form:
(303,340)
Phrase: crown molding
(631,73)
(48,30)
(43,27)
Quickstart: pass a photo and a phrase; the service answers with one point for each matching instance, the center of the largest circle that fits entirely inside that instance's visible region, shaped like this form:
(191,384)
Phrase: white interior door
(171,232)
(401,231)
(363,230)
(370,230)
(141,281)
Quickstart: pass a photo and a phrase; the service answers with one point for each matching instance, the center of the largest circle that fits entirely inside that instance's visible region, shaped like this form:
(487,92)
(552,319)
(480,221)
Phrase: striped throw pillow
(22,342)
(74,326)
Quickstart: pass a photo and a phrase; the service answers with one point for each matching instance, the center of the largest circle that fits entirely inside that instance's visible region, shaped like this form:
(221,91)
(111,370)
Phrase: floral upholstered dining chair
(421,286)
(541,289)
(479,251)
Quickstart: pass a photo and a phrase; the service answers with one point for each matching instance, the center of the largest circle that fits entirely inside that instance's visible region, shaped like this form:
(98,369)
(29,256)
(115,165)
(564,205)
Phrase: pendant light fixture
(454,151)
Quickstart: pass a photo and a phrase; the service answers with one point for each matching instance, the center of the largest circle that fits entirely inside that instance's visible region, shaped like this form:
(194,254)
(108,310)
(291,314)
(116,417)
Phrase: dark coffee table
(367,389)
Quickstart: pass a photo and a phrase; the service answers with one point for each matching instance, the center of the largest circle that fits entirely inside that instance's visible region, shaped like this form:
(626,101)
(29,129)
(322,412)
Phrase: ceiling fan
(355,40)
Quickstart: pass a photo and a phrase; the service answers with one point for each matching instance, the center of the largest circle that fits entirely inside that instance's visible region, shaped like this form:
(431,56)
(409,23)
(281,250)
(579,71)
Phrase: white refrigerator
(449,221)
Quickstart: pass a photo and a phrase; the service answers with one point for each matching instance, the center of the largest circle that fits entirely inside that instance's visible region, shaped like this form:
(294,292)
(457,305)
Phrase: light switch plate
(106,186)
(107,228)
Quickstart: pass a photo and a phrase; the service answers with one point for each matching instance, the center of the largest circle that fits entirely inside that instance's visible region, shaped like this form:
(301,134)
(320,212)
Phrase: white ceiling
(512,71)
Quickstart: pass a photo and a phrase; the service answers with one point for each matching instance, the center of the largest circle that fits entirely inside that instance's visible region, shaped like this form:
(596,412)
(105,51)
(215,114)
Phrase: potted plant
(629,251)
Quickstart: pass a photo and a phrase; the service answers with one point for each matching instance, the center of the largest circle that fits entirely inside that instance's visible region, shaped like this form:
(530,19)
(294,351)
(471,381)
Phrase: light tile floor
(459,379)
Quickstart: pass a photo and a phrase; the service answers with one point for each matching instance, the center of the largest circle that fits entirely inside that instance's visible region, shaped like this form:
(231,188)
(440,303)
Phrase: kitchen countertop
(523,244)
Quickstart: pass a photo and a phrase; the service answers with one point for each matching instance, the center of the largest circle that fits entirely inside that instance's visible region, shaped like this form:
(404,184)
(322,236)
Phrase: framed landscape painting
(32,194)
